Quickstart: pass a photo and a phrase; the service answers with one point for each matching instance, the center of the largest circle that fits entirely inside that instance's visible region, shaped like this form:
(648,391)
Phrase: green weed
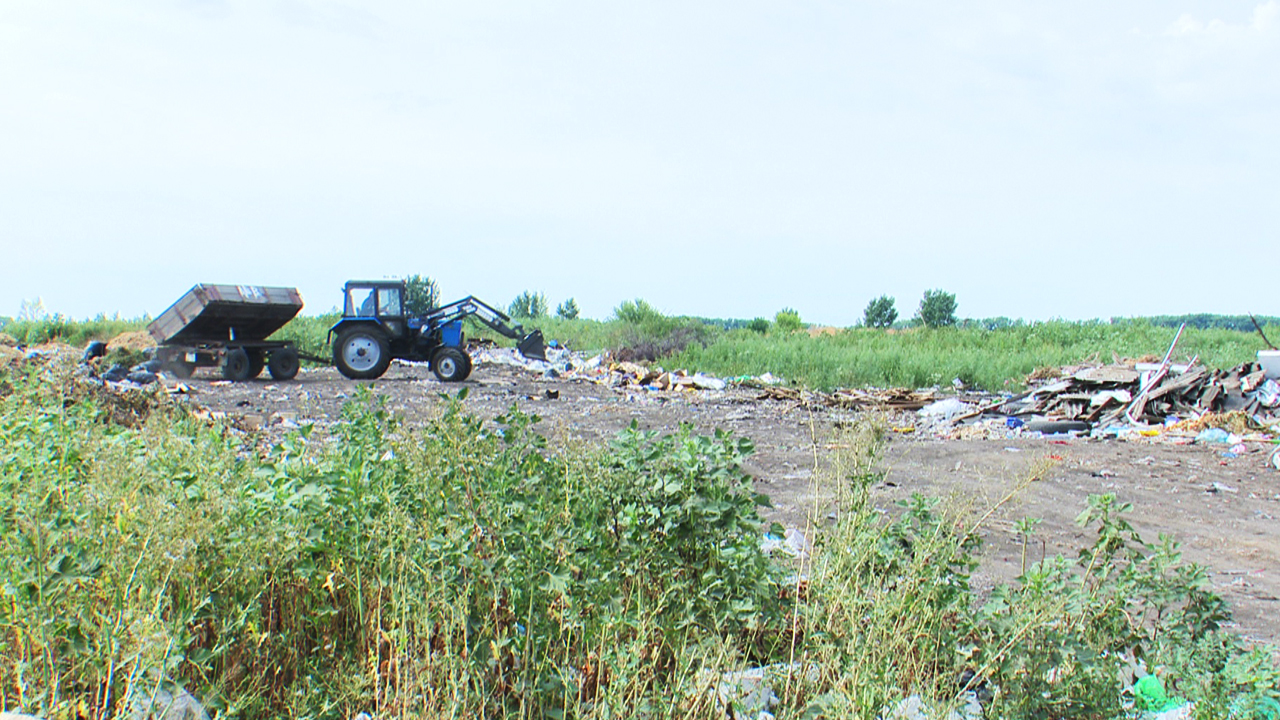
(465,568)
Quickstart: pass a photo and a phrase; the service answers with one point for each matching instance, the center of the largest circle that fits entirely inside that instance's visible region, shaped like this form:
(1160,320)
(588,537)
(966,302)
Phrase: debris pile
(854,399)
(601,369)
(1147,394)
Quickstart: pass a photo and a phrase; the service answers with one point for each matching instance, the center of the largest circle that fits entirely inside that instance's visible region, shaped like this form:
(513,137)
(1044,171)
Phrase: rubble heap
(1146,394)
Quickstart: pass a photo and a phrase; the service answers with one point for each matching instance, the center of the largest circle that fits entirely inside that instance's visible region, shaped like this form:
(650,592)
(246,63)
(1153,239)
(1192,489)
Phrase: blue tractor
(375,329)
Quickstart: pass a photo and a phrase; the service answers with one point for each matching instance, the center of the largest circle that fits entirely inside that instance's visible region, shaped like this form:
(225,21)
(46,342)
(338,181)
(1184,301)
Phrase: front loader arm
(531,345)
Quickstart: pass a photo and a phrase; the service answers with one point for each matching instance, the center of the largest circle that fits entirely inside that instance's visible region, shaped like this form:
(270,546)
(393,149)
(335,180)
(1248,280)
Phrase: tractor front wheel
(362,353)
(451,364)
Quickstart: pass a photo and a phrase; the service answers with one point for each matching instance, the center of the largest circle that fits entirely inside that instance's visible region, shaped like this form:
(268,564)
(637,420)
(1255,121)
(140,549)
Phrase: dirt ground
(1223,510)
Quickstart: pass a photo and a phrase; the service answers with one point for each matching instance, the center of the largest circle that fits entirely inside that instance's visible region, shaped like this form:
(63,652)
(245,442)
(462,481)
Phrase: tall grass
(920,357)
(59,328)
(992,359)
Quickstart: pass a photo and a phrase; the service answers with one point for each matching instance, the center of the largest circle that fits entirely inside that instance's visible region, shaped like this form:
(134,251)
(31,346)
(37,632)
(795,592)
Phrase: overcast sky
(726,159)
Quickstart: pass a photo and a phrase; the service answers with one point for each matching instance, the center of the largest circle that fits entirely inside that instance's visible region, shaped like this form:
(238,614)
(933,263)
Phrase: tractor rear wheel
(451,364)
(235,366)
(283,364)
(362,353)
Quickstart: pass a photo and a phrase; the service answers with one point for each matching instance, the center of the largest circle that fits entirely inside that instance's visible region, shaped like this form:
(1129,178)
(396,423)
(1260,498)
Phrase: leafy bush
(787,320)
(880,313)
(567,310)
(643,333)
(937,309)
(457,567)
(528,306)
(759,325)
(421,295)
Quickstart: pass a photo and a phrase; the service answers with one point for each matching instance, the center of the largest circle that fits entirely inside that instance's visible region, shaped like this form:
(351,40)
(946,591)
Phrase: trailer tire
(283,364)
(179,368)
(362,353)
(235,366)
(451,364)
(257,361)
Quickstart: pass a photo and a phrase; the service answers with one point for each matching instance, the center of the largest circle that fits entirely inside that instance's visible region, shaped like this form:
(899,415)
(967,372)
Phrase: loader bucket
(533,346)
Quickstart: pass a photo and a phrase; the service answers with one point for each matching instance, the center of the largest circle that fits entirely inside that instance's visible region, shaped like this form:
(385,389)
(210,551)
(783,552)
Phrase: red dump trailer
(227,326)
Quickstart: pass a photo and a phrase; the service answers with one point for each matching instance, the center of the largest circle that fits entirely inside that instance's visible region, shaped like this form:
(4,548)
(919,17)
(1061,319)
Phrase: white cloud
(1265,16)
(1263,21)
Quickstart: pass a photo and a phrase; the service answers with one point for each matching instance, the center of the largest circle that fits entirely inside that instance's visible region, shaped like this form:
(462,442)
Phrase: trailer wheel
(257,361)
(283,363)
(451,365)
(180,368)
(175,363)
(361,353)
(235,366)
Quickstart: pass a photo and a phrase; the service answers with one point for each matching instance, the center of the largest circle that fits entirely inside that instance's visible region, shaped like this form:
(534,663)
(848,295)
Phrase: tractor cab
(381,301)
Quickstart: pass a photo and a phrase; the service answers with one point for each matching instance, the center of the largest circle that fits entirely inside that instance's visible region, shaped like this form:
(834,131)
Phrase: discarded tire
(1056,427)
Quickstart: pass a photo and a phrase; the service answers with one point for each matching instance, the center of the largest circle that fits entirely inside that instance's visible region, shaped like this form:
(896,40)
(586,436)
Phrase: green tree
(880,313)
(568,309)
(421,294)
(937,309)
(638,312)
(788,320)
(760,325)
(528,306)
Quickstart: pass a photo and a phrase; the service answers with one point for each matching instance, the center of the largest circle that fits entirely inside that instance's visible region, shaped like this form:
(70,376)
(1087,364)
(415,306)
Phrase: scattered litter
(566,364)
(792,543)
(748,694)
(1150,698)
(915,708)
(164,700)
(946,409)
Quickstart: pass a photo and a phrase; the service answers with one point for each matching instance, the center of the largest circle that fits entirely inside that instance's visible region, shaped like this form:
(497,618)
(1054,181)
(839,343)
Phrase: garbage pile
(854,399)
(1150,394)
(128,394)
(603,370)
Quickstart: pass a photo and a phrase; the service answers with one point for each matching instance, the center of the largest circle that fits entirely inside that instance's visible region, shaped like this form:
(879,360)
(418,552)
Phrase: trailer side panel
(225,313)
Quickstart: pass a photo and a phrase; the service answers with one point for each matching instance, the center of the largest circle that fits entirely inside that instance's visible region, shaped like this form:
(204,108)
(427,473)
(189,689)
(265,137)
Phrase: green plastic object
(1149,695)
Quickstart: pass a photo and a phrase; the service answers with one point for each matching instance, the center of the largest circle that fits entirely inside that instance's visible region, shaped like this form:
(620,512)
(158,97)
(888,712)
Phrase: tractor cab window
(360,302)
(389,302)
